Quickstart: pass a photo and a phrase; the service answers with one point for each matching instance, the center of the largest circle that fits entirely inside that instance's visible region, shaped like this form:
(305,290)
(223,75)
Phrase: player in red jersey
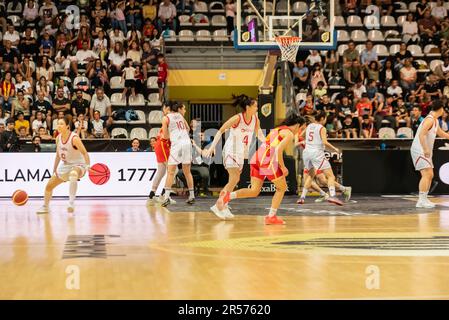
(162,150)
(268,162)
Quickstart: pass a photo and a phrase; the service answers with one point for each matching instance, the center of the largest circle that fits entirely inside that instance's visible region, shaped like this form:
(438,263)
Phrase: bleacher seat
(203,35)
(200,7)
(406,132)
(15,20)
(423,63)
(117,83)
(152,83)
(116,100)
(203,23)
(388,21)
(341,49)
(429,47)
(339,22)
(216,7)
(354,22)
(184,20)
(186,35)
(220,35)
(381,50)
(17,11)
(375,36)
(153,132)
(415,50)
(169,36)
(281,6)
(119,131)
(360,48)
(402,7)
(155,117)
(301,7)
(412,6)
(343,35)
(80,79)
(371,22)
(401,20)
(219,21)
(269,7)
(386,133)
(435,63)
(138,133)
(141,120)
(358,36)
(153,99)
(393,36)
(139,100)
(394,48)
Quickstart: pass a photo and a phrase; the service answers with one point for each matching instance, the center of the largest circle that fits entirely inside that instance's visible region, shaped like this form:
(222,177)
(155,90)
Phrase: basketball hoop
(289,47)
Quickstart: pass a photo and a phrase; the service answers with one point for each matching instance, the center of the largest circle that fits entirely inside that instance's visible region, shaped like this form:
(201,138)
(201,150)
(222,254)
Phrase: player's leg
(281,187)
(171,169)
(256,186)
(331,185)
(160,173)
(309,175)
(51,184)
(75,174)
(233,180)
(189,178)
(424,187)
(347,191)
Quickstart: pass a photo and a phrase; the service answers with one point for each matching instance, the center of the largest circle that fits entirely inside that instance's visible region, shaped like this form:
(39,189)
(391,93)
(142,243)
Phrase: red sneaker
(335,201)
(223,200)
(273,220)
(300,201)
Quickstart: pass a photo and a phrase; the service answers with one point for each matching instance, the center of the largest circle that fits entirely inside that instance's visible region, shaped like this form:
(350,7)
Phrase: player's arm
(165,134)
(226,126)
(323,134)
(57,160)
(287,138)
(78,144)
(427,125)
(259,131)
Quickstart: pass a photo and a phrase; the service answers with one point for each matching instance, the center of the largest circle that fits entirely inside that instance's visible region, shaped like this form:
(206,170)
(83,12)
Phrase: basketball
(19,197)
(99,174)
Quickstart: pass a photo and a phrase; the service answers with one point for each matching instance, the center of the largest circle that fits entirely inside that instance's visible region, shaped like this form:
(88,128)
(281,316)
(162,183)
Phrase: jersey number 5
(311,136)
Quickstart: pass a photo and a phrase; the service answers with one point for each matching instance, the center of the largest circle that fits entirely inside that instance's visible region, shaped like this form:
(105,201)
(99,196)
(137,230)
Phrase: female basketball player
(315,162)
(242,127)
(75,162)
(422,150)
(175,128)
(162,151)
(318,174)
(268,162)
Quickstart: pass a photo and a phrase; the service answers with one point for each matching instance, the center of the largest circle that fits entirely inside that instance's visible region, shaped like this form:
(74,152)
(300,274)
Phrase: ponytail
(242,101)
(292,120)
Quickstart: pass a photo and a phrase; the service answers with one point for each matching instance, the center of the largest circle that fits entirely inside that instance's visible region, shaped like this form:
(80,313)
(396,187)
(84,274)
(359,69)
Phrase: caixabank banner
(124,174)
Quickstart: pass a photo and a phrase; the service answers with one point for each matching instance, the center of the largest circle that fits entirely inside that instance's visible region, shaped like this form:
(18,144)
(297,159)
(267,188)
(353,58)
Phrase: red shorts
(162,150)
(271,173)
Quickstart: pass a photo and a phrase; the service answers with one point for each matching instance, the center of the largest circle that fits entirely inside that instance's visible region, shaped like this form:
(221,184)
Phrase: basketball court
(372,248)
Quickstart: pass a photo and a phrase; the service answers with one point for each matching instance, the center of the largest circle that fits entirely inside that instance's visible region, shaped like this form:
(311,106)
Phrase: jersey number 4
(245,140)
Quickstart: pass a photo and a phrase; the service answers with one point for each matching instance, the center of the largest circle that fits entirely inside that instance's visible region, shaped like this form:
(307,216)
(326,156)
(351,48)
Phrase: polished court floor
(372,248)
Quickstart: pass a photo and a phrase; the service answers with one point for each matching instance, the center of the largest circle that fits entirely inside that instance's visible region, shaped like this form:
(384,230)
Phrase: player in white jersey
(75,162)
(422,150)
(176,128)
(315,162)
(242,127)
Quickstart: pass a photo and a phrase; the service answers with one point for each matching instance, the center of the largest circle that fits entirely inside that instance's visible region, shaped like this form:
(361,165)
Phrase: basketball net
(289,47)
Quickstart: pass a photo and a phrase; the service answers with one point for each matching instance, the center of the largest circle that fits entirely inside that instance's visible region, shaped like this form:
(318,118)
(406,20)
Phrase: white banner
(132,174)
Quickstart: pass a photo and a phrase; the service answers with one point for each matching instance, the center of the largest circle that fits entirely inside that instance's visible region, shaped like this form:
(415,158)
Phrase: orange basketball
(19,197)
(99,173)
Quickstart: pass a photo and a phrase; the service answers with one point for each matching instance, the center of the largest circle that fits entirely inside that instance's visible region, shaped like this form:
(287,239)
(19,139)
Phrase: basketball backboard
(257,23)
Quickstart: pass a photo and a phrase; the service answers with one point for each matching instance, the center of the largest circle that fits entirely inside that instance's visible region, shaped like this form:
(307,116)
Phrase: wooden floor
(120,249)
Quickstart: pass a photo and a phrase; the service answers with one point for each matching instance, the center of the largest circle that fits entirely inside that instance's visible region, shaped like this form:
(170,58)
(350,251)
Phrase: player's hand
(284,171)
(209,153)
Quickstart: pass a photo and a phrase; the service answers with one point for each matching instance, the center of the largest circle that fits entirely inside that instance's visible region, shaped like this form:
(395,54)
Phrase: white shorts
(420,161)
(231,160)
(315,160)
(64,170)
(180,153)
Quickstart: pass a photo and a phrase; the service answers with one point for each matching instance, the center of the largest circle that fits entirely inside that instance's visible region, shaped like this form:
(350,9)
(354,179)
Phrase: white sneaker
(347,193)
(218,213)
(172,201)
(228,214)
(426,205)
(70,208)
(430,203)
(322,198)
(43,210)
